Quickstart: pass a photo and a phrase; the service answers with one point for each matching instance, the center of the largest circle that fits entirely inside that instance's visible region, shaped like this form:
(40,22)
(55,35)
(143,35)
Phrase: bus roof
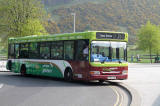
(91,35)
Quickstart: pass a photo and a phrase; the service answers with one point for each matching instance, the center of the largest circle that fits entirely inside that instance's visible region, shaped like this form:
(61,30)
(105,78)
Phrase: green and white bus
(91,55)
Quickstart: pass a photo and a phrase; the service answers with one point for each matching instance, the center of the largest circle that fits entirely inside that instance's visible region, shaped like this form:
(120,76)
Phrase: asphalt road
(16,90)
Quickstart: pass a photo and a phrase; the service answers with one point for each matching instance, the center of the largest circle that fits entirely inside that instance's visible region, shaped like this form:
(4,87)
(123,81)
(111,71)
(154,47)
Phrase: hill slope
(118,15)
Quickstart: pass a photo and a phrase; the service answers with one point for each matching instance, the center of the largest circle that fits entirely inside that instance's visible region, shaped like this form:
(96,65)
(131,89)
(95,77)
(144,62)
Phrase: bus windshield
(108,51)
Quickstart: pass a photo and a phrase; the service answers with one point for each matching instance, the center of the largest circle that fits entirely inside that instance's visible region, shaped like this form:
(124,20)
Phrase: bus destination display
(101,35)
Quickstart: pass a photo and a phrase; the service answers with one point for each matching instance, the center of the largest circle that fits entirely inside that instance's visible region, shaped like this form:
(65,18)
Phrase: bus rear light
(124,72)
(95,72)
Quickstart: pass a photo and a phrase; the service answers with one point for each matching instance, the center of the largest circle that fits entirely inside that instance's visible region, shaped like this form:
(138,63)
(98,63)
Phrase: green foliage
(21,18)
(148,38)
(33,27)
(51,27)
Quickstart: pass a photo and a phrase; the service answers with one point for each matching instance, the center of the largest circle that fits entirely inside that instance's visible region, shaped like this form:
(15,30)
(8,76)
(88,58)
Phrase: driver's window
(82,50)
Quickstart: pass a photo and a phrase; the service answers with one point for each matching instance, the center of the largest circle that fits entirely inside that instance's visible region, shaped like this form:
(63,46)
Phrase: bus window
(45,50)
(68,50)
(34,51)
(11,51)
(57,50)
(80,49)
(16,51)
(24,50)
(118,50)
(105,51)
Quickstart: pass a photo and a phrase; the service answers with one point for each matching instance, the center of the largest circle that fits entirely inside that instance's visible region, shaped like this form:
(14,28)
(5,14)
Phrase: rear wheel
(68,75)
(23,70)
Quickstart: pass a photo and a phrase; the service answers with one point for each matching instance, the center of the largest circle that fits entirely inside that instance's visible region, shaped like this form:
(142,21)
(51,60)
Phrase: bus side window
(57,50)
(68,50)
(45,50)
(33,51)
(11,51)
(24,50)
(16,51)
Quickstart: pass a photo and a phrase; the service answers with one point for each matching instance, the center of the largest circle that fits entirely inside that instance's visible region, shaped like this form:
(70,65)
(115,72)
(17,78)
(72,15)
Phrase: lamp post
(74,28)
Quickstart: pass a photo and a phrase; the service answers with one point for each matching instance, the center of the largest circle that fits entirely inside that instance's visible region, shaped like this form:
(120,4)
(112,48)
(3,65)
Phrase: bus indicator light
(95,72)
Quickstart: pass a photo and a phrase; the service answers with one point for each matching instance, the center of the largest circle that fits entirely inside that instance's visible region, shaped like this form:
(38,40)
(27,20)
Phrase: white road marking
(1,85)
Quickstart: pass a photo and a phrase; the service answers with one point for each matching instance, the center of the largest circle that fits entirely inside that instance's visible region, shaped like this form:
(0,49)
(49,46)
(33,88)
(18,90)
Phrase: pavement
(145,78)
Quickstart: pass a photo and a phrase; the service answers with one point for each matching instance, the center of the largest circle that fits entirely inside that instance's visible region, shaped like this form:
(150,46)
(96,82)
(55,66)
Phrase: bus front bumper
(108,77)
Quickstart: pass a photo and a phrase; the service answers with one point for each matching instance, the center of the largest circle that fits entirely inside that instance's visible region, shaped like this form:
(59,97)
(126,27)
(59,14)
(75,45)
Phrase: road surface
(16,90)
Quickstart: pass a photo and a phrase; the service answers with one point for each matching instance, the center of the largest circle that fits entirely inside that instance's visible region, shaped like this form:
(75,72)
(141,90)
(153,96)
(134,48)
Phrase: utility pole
(74,28)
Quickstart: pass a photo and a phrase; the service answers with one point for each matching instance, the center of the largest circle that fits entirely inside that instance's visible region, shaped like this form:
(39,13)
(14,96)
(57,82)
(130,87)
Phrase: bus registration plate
(111,77)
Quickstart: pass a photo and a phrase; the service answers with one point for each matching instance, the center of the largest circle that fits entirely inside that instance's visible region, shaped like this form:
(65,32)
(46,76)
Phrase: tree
(33,27)
(148,38)
(21,18)
(51,27)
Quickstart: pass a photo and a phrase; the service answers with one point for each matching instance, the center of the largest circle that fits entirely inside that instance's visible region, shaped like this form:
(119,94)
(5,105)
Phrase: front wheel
(101,81)
(68,75)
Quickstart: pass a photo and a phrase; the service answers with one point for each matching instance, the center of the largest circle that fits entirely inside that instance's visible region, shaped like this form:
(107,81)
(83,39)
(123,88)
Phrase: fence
(144,59)
(3,57)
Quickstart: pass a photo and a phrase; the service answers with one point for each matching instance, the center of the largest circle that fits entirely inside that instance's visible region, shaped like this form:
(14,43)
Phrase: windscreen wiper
(120,62)
(104,60)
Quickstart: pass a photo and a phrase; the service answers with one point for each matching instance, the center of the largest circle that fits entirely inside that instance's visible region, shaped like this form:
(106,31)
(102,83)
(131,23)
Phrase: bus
(90,55)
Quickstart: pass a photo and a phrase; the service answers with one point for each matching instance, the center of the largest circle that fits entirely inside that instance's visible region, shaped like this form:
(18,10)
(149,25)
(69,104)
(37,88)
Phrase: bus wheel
(23,70)
(68,75)
(101,81)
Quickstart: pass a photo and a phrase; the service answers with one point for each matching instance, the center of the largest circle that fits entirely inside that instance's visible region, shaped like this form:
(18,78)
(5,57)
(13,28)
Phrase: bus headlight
(124,72)
(95,72)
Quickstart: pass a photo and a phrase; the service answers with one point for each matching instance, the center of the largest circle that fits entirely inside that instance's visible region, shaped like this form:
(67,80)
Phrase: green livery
(91,35)
(38,68)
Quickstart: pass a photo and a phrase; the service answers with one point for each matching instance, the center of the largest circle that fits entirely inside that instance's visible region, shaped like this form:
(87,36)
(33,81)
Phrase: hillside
(58,3)
(117,15)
